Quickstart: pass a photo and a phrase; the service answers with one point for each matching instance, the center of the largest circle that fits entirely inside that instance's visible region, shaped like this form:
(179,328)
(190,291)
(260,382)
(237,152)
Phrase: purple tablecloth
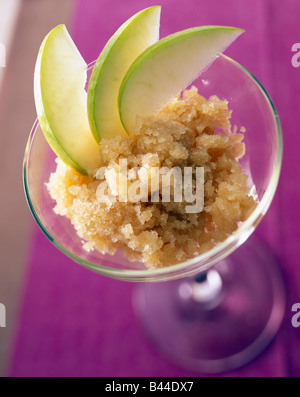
(72,322)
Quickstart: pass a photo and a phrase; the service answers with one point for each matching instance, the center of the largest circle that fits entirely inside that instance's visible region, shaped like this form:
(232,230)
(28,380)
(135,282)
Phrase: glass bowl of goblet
(216,311)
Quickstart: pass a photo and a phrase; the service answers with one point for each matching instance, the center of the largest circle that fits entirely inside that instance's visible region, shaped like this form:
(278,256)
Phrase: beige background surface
(17,114)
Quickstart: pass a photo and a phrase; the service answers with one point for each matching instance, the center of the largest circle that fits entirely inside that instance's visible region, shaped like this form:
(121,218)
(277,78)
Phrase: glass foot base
(229,330)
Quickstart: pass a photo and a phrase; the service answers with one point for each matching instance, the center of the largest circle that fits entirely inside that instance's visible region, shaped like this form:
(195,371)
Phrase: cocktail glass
(214,312)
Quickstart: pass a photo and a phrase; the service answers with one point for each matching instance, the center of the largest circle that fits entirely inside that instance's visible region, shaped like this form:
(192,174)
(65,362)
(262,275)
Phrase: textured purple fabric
(72,322)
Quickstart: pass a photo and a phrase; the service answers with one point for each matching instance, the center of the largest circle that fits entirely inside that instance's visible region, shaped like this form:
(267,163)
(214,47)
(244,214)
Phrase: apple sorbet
(190,131)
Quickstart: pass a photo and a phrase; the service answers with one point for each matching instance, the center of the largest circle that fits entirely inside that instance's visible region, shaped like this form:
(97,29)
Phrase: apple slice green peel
(163,70)
(60,98)
(129,41)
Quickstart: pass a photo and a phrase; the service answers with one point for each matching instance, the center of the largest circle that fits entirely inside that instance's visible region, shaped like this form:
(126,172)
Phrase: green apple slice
(163,70)
(60,98)
(129,41)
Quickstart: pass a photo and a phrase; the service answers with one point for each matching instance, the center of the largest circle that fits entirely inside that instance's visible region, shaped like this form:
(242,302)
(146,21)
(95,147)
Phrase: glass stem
(204,289)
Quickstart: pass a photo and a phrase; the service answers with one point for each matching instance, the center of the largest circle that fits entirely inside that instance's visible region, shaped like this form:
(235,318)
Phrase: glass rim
(194,265)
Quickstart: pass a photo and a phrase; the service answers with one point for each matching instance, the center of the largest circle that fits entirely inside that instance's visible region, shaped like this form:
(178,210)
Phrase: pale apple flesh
(163,70)
(60,98)
(129,41)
